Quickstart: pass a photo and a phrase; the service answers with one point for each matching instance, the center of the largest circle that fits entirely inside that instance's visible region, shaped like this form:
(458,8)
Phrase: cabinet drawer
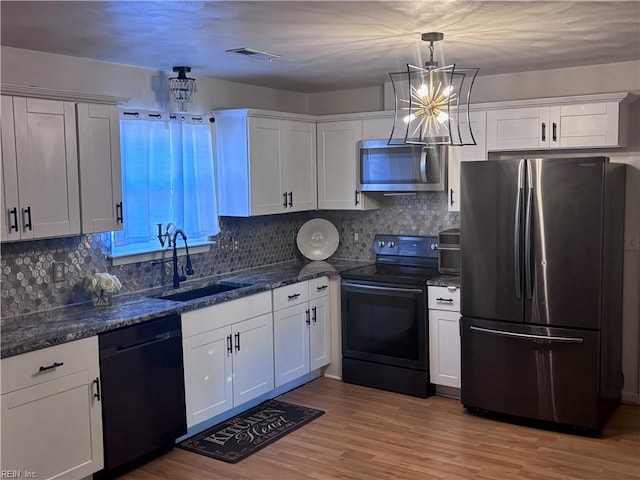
(290,295)
(318,287)
(224,314)
(36,367)
(444,298)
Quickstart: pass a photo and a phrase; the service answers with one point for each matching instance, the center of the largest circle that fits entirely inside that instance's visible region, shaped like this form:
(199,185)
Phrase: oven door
(385,323)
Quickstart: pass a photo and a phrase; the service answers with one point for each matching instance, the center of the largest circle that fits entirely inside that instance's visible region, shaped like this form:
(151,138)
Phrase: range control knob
(381,244)
(434,246)
(392,244)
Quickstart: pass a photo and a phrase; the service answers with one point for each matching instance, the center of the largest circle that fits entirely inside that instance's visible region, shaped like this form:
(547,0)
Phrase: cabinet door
(299,165)
(291,342)
(585,125)
(337,165)
(320,333)
(100,170)
(9,224)
(252,358)
(53,429)
(467,153)
(208,375)
(46,149)
(517,129)
(444,347)
(265,153)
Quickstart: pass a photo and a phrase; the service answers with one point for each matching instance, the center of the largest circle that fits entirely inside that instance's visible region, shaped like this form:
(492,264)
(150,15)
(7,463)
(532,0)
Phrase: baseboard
(334,377)
(630,398)
(449,392)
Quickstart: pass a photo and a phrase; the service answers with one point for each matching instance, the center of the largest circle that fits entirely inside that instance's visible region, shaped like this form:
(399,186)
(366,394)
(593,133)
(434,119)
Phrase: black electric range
(385,331)
(411,260)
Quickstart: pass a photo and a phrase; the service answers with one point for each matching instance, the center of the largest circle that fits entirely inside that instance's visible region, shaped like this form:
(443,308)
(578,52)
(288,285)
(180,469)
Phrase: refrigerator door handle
(516,230)
(528,336)
(527,234)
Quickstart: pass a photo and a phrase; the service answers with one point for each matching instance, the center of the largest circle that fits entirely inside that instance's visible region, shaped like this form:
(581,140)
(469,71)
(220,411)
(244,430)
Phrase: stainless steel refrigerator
(541,284)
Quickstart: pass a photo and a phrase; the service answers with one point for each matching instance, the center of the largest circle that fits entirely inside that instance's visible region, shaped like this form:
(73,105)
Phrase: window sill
(159,254)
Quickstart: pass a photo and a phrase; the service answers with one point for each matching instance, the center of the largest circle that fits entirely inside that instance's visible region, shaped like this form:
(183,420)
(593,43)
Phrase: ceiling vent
(250,52)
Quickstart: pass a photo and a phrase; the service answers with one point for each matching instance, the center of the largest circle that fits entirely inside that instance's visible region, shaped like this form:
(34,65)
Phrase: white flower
(102,281)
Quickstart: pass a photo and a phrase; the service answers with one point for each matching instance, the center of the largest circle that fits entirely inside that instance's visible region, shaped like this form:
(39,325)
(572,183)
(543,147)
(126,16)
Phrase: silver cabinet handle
(528,336)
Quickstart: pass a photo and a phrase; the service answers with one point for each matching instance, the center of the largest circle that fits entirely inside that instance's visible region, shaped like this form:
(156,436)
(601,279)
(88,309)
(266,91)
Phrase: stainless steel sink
(207,291)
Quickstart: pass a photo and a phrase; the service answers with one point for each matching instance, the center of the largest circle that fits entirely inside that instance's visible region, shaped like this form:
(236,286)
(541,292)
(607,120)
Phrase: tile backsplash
(27,267)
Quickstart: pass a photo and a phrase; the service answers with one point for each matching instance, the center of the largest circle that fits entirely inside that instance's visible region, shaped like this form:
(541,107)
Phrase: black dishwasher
(143,404)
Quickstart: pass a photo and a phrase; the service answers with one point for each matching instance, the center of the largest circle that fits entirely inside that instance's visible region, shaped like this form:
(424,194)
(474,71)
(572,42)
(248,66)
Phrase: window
(167,177)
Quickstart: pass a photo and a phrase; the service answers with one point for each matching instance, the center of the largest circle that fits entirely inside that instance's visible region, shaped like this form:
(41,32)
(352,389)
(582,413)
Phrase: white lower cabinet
(302,335)
(228,355)
(444,336)
(51,412)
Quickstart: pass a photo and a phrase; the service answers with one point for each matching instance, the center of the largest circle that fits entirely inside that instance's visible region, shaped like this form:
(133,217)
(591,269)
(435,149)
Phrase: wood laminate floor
(372,434)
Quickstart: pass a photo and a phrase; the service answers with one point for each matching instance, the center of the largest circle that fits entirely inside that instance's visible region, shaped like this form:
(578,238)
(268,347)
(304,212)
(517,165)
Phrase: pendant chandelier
(432,103)
(182,88)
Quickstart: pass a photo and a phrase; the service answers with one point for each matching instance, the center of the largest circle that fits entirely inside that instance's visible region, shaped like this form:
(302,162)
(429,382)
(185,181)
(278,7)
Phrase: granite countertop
(445,281)
(33,331)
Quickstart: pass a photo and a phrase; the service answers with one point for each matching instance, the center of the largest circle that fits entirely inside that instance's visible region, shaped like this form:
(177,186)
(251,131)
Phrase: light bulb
(447,91)
(409,118)
(423,91)
(442,117)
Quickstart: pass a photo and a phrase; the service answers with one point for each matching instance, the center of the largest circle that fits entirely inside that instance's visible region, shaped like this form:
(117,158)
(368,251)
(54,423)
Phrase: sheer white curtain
(167,177)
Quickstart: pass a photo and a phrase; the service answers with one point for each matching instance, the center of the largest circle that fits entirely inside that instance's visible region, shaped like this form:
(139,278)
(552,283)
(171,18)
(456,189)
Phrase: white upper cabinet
(299,165)
(466,153)
(266,162)
(40,169)
(588,121)
(100,170)
(338,177)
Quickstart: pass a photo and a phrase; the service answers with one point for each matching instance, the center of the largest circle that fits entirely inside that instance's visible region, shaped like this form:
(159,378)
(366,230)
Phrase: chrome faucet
(177,278)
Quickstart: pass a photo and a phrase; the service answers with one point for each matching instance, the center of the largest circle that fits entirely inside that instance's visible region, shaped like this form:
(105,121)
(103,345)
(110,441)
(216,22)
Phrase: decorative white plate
(318,239)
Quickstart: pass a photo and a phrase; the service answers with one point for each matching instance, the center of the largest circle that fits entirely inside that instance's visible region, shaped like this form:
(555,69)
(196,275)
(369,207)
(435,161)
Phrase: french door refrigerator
(541,284)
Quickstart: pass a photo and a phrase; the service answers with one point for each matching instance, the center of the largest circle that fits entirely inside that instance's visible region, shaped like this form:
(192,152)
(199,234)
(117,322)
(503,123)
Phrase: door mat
(244,434)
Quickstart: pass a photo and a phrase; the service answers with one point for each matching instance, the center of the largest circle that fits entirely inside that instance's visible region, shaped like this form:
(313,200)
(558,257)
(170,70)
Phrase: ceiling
(327,45)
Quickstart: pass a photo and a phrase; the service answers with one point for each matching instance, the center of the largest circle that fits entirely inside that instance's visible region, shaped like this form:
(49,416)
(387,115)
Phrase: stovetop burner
(400,259)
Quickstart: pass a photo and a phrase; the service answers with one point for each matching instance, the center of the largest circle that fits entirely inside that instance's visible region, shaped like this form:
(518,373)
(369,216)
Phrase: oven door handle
(385,289)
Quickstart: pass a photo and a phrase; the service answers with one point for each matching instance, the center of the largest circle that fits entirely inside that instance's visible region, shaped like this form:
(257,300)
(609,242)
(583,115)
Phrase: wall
(25,268)
(615,77)
(146,88)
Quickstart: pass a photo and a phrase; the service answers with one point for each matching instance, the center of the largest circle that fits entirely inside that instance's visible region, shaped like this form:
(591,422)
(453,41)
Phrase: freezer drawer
(541,373)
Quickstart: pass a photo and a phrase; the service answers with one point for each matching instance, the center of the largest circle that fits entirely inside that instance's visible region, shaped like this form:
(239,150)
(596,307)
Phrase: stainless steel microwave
(401,168)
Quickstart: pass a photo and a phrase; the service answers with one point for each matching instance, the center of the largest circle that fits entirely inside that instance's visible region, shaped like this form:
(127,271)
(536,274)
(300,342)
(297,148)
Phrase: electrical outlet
(59,271)
(356,237)
(226,245)
(632,242)
(236,245)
